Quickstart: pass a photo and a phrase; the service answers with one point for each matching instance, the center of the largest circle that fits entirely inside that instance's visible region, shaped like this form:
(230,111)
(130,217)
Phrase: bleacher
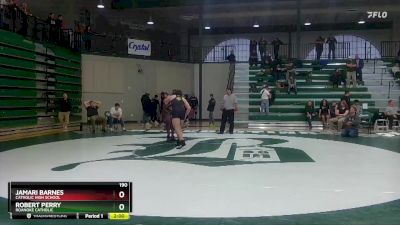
(33,77)
(313,83)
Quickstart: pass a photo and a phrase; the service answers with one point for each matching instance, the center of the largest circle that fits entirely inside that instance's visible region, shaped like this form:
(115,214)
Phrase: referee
(229,106)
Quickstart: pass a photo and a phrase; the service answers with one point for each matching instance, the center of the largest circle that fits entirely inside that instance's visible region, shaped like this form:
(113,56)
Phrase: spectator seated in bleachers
(309,113)
(324,112)
(273,96)
(357,104)
(396,71)
(351,123)
(332,110)
(346,97)
(115,117)
(337,78)
(253,88)
(92,108)
(278,70)
(397,59)
(292,86)
(340,114)
(290,69)
(391,113)
(396,68)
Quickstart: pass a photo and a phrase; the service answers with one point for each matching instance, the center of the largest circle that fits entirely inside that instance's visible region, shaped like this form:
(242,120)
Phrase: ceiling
(234,13)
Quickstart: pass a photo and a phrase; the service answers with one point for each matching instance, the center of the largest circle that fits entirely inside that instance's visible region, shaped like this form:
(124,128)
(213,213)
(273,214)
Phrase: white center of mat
(342,176)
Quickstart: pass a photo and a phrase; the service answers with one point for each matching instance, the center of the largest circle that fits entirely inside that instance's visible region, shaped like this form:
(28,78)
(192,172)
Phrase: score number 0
(121,194)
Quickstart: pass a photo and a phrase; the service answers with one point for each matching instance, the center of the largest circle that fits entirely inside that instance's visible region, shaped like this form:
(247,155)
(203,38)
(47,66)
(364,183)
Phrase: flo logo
(377,14)
(209,152)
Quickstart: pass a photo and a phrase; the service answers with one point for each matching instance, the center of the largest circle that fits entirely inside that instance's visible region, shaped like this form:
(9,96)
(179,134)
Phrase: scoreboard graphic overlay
(70,200)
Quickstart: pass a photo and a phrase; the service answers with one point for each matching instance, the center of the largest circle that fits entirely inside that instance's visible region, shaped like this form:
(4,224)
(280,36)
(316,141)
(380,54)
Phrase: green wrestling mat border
(388,143)
(382,214)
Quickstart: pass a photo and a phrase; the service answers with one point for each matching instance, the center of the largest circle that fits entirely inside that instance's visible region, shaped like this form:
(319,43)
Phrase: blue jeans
(309,120)
(264,106)
(290,88)
(350,132)
(112,121)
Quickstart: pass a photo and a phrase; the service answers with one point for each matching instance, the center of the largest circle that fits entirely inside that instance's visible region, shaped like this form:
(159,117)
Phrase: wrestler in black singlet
(178,108)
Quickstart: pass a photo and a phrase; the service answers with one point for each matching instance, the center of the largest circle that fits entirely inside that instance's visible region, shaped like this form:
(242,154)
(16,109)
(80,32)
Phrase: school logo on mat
(211,152)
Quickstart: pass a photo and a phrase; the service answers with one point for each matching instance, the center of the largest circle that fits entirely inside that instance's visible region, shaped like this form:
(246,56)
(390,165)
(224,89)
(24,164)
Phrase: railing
(390,48)
(231,76)
(218,53)
(114,44)
(390,85)
(307,51)
(15,20)
(342,51)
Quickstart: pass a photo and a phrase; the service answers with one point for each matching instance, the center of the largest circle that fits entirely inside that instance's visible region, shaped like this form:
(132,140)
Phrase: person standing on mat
(167,119)
(229,106)
(180,111)
(210,109)
(146,106)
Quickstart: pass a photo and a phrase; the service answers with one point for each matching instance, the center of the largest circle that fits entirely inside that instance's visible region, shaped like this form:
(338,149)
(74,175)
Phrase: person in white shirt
(116,116)
(396,68)
(391,112)
(265,96)
(229,107)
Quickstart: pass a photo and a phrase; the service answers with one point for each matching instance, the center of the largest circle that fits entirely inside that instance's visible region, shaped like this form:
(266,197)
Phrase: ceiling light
(100,5)
(361,22)
(150,22)
(256,25)
(207,27)
(307,24)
